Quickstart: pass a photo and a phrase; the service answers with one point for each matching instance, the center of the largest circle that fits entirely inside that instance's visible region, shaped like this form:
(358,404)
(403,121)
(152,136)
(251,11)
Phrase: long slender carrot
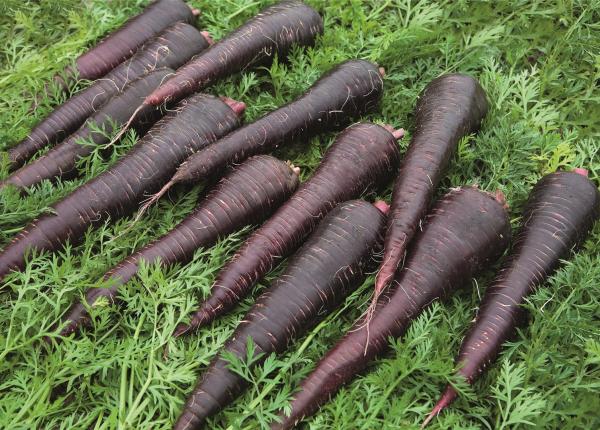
(318,277)
(61,161)
(171,48)
(196,122)
(363,155)
(464,232)
(248,195)
(274,31)
(451,107)
(560,212)
(345,93)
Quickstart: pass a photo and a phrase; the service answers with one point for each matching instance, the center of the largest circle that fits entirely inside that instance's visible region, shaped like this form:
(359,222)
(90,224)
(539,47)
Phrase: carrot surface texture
(194,123)
(172,48)
(560,212)
(61,161)
(465,231)
(246,196)
(346,92)
(123,42)
(451,107)
(274,31)
(363,155)
(328,267)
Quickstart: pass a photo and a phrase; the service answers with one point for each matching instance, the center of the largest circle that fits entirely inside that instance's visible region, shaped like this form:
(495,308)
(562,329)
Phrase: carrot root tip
(447,398)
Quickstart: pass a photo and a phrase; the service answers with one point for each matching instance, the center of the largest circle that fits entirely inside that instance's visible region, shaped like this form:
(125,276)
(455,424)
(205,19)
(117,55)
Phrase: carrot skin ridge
(274,31)
(362,156)
(195,122)
(346,92)
(61,161)
(247,195)
(451,107)
(328,267)
(465,231)
(560,211)
(124,42)
(172,48)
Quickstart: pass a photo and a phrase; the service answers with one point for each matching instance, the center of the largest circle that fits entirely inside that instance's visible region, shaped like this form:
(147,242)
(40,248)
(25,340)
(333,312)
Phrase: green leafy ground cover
(540,64)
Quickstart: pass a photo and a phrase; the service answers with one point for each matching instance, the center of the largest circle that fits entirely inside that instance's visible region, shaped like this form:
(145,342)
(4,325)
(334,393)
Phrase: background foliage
(540,64)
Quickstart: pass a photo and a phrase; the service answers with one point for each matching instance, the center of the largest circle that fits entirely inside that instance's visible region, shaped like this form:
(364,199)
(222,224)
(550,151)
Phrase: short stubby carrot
(329,266)
(195,122)
(560,211)
(246,196)
(465,231)
(363,155)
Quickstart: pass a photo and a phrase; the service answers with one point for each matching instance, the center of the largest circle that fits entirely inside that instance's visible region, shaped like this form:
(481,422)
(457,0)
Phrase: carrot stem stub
(329,266)
(465,231)
(560,212)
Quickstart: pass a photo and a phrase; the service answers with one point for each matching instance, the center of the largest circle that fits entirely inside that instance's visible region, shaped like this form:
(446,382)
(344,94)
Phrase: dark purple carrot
(123,42)
(560,212)
(466,230)
(451,107)
(61,161)
(247,195)
(328,267)
(196,122)
(346,92)
(274,31)
(363,155)
(172,48)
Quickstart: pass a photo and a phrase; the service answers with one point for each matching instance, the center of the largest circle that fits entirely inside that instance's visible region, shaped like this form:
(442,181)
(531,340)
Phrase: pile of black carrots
(148,75)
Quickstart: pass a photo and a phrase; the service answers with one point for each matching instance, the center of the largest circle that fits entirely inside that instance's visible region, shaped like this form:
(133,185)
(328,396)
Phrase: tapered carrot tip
(382,206)
(181,329)
(196,12)
(187,421)
(207,37)
(447,398)
(237,107)
(580,171)
(382,72)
